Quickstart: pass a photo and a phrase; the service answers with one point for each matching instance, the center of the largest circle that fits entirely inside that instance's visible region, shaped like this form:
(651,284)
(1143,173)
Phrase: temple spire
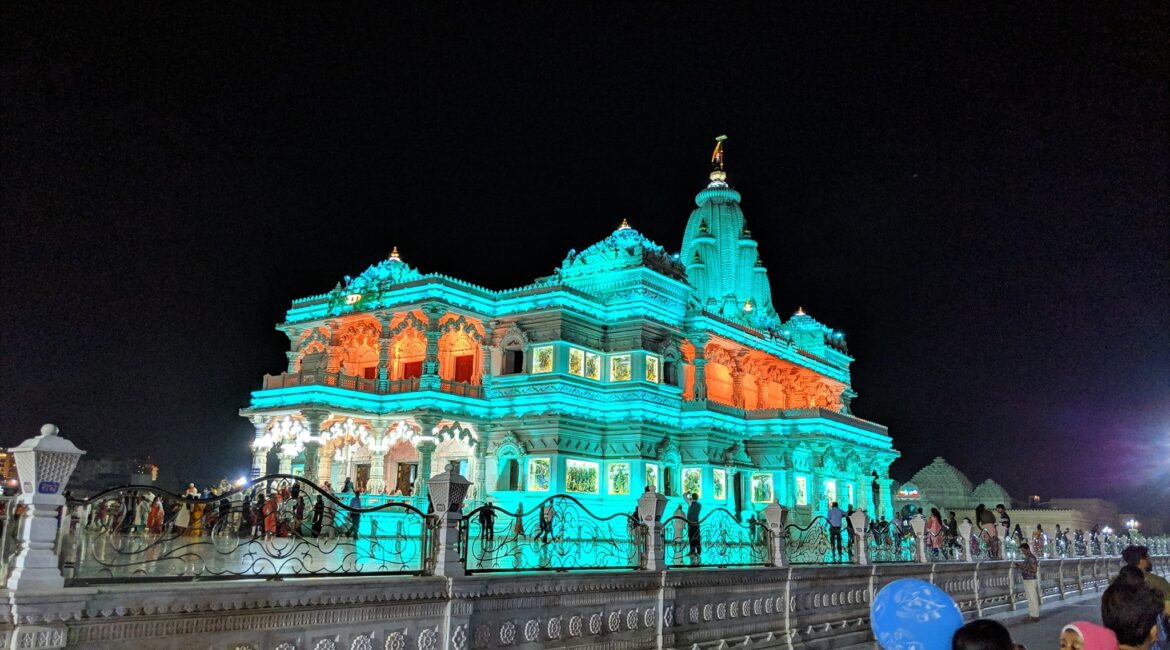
(394,253)
(718,175)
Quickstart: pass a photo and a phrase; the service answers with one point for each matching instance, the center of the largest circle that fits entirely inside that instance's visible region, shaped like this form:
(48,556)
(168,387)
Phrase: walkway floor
(1045,633)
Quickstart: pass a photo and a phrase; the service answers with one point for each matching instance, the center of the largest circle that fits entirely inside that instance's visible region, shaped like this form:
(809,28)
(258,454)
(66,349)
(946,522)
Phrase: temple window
(762,488)
(670,373)
(668,479)
(539,475)
(692,481)
(652,476)
(619,368)
(412,369)
(652,374)
(464,368)
(719,484)
(509,475)
(370,372)
(582,476)
(830,490)
(801,491)
(619,478)
(542,359)
(513,362)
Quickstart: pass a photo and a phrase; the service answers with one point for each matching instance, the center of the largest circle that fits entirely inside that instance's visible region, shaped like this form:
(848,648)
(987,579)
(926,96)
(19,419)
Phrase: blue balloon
(914,615)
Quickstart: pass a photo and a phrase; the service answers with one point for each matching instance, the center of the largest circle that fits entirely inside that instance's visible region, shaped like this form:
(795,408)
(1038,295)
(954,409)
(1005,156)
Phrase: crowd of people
(272,508)
(1135,613)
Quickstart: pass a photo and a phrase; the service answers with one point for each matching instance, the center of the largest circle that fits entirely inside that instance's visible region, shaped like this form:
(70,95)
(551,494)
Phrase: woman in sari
(182,518)
(934,534)
(269,510)
(154,520)
(197,520)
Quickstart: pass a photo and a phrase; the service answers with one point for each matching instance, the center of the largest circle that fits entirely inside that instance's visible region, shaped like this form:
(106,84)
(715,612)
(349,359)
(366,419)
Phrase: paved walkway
(1054,615)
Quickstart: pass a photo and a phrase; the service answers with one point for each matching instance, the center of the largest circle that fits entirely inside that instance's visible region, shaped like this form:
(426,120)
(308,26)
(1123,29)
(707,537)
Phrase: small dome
(991,493)
(942,483)
(624,248)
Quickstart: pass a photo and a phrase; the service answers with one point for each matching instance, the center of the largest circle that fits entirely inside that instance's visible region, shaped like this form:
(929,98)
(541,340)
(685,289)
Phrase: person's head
(1083,635)
(834,504)
(1131,611)
(999,507)
(934,512)
(980,508)
(1138,556)
(1039,527)
(1025,548)
(1131,575)
(982,634)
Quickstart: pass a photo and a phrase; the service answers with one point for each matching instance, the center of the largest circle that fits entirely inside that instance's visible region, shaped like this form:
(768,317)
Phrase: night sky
(977,198)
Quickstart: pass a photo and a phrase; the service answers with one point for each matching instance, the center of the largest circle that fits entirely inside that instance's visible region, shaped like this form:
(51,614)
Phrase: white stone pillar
(650,508)
(858,520)
(260,446)
(965,539)
(448,490)
(44,465)
(918,523)
(777,517)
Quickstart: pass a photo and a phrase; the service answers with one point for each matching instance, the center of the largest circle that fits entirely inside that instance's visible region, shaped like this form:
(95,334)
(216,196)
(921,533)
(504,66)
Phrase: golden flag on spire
(717,155)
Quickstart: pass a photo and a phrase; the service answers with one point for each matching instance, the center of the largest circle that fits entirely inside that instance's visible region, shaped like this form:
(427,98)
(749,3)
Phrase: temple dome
(624,248)
(942,483)
(383,275)
(991,493)
(721,259)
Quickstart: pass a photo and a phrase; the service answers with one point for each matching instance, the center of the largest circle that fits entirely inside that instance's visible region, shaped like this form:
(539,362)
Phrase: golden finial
(625,225)
(800,311)
(717,171)
(394,253)
(747,305)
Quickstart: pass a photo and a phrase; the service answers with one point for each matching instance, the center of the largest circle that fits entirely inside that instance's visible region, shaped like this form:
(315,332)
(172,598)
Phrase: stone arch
(359,344)
(513,345)
(510,456)
(409,349)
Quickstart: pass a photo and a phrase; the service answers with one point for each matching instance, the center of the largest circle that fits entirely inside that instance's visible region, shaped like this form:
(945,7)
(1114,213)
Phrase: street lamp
(1133,525)
(1107,530)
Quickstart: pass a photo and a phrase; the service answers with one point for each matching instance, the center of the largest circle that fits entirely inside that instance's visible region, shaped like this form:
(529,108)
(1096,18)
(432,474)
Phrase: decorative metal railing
(277,526)
(811,544)
(352,382)
(559,534)
(719,540)
(889,542)
(8,532)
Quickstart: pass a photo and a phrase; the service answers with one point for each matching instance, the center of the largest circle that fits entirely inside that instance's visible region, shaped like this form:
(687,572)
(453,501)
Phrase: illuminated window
(592,366)
(412,370)
(619,478)
(831,490)
(801,491)
(577,362)
(581,476)
(719,484)
(619,368)
(762,488)
(692,481)
(652,369)
(542,359)
(539,474)
(652,476)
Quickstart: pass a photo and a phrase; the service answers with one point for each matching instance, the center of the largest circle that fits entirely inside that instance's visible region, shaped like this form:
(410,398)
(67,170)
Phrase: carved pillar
(325,469)
(333,350)
(293,362)
(426,447)
(486,350)
(484,436)
(887,509)
(430,372)
(762,392)
(313,419)
(288,449)
(737,387)
(260,446)
(384,347)
(378,447)
(700,343)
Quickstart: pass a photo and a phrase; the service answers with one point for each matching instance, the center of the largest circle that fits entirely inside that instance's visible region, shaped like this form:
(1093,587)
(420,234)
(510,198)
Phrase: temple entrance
(361,475)
(737,488)
(509,478)
(404,482)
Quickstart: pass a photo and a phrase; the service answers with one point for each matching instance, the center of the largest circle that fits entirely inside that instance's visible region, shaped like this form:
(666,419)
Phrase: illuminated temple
(629,367)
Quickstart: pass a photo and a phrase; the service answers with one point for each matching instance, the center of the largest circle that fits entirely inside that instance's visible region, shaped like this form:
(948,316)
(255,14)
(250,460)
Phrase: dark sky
(977,198)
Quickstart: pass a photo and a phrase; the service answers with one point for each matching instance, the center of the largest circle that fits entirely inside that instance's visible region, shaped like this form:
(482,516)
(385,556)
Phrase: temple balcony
(363,385)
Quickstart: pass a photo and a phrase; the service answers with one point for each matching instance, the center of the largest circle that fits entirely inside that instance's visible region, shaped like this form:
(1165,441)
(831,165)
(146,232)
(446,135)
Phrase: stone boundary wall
(791,607)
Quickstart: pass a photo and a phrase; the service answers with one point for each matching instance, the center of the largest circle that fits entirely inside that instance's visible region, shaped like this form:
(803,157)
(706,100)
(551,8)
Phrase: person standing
(318,515)
(694,510)
(487,522)
(546,522)
(934,528)
(986,521)
(355,517)
(1139,556)
(835,516)
(1029,571)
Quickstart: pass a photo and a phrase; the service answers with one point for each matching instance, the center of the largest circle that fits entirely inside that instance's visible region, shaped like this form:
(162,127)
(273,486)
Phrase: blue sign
(914,614)
(48,487)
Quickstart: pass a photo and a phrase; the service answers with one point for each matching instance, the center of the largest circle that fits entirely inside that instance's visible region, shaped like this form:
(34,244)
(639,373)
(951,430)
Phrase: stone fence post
(448,490)
(858,521)
(44,465)
(651,505)
(965,539)
(777,517)
(918,523)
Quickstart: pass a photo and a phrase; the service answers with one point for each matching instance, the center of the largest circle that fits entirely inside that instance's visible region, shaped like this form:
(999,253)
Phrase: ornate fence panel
(718,540)
(887,542)
(810,544)
(559,534)
(277,526)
